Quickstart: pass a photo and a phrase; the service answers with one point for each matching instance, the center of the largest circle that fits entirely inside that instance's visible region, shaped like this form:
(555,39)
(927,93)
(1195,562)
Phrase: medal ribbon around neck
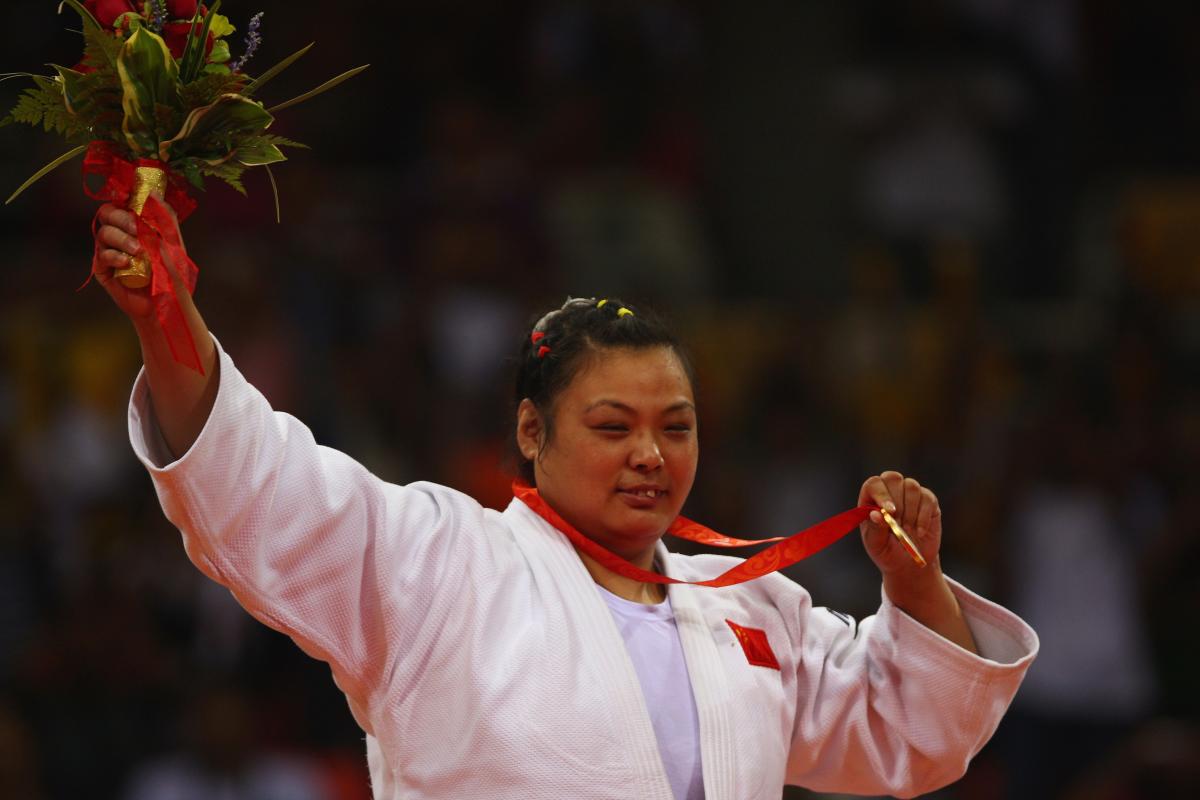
(787,550)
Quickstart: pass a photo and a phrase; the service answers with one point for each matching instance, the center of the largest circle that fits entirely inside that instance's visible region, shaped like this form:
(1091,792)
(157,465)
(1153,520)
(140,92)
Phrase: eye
(611,427)
(679,428)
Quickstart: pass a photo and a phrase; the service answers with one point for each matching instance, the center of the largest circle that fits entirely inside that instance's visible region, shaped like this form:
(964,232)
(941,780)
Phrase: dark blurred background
(958,238)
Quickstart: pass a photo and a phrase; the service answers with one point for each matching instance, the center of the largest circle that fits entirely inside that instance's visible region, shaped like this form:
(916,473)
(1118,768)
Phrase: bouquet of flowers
(157,104)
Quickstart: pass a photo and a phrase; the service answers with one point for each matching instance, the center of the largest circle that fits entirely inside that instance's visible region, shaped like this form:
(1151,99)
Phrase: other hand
(917,511)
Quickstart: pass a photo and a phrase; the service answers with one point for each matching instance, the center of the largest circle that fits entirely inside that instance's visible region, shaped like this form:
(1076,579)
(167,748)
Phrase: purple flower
(158,15)
(253,40)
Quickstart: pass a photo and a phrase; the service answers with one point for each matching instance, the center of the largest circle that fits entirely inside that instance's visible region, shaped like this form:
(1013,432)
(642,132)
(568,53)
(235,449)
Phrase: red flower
(107,11)
(175,35)
(181,9)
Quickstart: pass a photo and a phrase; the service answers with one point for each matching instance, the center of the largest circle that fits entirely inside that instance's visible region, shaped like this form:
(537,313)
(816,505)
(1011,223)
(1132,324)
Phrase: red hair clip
(542,351)
(537,336)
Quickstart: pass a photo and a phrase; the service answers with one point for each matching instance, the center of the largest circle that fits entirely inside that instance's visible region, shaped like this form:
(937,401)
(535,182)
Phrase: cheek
(686,456)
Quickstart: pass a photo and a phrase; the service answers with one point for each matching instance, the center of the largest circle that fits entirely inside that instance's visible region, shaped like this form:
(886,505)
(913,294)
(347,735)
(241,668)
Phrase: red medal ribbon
(156,233)
(787,551)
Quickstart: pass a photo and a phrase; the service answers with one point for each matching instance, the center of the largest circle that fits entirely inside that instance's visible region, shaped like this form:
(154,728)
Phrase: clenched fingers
(930,512)
(118,218)
(117,239)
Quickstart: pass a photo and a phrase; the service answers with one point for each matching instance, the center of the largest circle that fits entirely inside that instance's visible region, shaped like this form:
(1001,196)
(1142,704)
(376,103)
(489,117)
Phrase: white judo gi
(480,660)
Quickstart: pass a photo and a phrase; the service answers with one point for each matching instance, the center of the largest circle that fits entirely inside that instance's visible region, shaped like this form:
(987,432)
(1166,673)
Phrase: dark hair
(560,343)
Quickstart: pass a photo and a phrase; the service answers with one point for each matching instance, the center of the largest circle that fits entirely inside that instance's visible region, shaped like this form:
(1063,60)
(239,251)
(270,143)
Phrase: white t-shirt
(653,643)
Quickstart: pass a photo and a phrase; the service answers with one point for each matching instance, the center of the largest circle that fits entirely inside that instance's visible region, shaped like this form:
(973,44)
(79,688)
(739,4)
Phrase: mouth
(642,496)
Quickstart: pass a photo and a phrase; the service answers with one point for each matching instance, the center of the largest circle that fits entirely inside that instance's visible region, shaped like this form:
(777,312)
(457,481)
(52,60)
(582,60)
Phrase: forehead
(652,376)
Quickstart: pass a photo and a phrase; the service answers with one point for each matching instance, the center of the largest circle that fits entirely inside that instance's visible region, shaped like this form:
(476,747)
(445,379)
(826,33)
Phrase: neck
(627,588)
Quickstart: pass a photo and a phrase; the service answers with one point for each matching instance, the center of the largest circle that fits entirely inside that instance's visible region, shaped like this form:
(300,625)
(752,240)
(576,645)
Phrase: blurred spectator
(1075,544)
(19,762)
(223,759)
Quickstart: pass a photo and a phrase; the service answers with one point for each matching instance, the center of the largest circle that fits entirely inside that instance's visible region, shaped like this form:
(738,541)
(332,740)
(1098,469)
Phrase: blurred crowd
(958,238)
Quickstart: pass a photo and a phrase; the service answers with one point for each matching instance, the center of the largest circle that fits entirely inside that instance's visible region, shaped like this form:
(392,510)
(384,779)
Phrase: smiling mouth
(650,494)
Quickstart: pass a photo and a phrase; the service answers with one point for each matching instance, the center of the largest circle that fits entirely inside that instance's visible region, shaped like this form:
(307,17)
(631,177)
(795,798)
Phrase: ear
(530,429)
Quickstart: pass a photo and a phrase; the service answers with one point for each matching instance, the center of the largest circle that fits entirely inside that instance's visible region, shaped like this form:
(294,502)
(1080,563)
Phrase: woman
(485,656)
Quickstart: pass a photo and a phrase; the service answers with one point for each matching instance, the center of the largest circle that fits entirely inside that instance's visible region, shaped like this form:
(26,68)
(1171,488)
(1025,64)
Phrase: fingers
(911,504)
(118,239)
(876,492)
(113,259)
(930,512)
(118,218)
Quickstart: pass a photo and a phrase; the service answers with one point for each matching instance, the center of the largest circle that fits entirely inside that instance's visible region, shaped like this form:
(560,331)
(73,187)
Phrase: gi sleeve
(890,707)
(307,539)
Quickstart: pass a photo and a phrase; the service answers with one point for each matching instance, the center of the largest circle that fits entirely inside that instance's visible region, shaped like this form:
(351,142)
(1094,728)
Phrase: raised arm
(360,573)
(182,398)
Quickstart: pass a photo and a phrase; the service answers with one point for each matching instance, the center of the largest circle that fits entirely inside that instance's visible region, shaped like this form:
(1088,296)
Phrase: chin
(646,526)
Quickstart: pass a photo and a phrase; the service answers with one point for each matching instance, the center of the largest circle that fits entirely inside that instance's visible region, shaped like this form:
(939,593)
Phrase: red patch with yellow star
(754,645)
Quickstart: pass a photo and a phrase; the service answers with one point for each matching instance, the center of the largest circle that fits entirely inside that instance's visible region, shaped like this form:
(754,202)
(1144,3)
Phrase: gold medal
(903,537)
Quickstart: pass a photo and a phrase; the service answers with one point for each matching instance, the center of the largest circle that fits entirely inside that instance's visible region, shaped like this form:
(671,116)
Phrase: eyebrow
(617,404)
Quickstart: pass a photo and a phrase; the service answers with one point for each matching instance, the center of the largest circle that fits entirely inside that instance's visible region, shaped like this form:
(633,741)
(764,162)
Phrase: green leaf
(208,87)
(191,171)
(101,49)
(258,152)
(220,24)
(42,104)
(193,56)
(212,132)
(216,69)
(76,89)
(84,14)
(274,191)
(64,158)
(149,77)
(257,83)
(230,172)
(279,141)
(220,52)
(130,19)
(324,87)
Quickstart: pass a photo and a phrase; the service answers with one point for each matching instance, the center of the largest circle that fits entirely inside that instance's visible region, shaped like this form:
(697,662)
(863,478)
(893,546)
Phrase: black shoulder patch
(846,618)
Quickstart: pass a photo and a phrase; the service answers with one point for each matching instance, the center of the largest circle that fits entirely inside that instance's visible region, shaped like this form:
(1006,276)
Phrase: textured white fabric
(478,657)
(652,641)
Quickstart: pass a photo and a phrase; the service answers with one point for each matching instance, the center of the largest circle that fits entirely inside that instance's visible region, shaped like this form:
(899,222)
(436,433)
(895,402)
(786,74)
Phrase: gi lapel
(597,636)
(709,687)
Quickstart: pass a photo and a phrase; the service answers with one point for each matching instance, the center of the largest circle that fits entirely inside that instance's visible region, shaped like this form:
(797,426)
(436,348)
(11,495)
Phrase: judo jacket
(476,653)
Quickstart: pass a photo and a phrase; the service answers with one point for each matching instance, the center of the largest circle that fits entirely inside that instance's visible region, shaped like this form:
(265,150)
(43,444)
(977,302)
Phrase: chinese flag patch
(754,645)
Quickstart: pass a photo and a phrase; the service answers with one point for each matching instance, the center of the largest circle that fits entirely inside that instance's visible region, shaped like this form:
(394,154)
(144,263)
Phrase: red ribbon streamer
(156,232)
(787,551)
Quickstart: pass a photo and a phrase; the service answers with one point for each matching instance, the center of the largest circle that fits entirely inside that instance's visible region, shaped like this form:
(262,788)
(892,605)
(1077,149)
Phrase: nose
(646,455)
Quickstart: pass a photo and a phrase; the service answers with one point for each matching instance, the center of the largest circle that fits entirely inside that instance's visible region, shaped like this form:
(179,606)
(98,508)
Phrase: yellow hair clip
(601,303)
(624,312)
